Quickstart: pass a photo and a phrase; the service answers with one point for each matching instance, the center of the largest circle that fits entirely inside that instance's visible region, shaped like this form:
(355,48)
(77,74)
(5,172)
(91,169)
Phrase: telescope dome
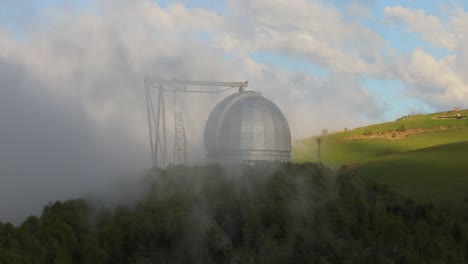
(246,127)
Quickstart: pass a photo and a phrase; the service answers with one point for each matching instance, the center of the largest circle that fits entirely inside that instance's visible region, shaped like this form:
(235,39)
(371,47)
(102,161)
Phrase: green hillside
(424,156)
(440,171)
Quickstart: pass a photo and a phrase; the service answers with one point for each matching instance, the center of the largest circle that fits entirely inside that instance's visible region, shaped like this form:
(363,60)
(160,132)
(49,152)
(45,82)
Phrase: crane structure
(157,117)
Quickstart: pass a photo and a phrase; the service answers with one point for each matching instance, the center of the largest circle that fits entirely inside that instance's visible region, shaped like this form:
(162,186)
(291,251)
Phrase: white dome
(247,127)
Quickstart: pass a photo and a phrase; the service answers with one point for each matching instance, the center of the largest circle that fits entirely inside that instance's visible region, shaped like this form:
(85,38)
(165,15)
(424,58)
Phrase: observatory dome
(246,127)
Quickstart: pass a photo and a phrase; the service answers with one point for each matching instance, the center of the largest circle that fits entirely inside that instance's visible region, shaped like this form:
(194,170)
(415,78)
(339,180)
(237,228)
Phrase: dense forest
(286,213)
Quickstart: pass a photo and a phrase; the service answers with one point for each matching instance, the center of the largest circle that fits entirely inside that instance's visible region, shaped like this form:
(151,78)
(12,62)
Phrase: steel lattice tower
(180,143)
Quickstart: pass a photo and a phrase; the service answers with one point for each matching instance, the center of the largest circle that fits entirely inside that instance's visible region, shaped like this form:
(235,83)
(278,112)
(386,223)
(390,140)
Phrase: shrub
(401,128)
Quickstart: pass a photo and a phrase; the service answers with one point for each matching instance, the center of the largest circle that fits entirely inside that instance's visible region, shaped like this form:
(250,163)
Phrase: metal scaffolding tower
(157,117)
(180,144)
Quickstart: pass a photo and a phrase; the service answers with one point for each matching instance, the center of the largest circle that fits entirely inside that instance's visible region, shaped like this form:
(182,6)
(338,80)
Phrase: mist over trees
(287,213)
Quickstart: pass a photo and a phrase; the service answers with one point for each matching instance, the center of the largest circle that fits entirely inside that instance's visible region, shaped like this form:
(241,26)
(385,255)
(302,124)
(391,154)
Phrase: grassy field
(420,156)
(437,172)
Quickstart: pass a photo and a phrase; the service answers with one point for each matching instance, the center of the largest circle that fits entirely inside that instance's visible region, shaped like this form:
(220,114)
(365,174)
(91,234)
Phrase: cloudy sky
(71,75)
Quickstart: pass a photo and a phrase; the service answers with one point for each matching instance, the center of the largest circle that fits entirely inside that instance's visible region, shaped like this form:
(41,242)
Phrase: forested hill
(290,213)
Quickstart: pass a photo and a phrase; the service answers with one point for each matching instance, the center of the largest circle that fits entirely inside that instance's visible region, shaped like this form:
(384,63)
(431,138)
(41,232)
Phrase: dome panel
(247,127)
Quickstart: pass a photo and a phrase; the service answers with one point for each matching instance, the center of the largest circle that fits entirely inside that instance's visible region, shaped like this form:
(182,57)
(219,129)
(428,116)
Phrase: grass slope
(426,160)
(437,172)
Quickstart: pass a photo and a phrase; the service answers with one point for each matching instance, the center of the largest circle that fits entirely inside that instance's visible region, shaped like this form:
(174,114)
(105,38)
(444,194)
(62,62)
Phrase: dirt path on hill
(395,135)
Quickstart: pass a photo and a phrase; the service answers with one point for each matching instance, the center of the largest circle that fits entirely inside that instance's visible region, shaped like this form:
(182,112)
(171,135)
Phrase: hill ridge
(397,150)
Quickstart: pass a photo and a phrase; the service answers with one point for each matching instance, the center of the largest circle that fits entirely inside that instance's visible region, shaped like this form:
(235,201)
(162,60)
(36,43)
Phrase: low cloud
(73,114)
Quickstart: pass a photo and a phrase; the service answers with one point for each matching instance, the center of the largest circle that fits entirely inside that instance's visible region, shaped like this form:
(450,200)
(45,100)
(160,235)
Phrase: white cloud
(435,80)
(432,28)
(302,28)
(358,10)
(99,60)
(178,17)
(441,82)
